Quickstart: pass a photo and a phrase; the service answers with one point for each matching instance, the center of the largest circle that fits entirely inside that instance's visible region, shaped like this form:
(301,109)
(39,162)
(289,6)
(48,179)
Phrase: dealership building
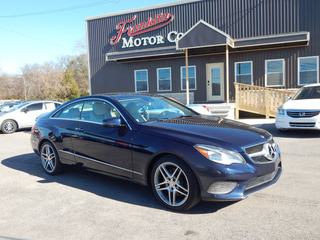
(208,44)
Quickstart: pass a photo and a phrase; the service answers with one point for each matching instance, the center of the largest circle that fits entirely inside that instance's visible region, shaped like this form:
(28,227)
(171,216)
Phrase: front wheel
(50,159)
(9,126)
(174,184)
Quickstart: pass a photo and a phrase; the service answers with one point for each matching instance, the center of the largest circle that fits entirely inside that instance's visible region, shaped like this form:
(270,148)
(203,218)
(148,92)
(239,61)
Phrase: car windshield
(153,108)
(308,93)
(21,105)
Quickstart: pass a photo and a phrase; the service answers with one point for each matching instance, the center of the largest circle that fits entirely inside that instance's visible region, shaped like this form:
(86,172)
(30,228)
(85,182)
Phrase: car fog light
(222,187)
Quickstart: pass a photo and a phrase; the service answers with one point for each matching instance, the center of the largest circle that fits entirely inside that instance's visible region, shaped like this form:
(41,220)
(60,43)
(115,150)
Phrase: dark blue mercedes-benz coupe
(153,140)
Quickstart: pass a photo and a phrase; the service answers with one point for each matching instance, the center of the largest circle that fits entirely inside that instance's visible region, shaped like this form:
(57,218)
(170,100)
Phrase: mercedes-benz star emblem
(270,150)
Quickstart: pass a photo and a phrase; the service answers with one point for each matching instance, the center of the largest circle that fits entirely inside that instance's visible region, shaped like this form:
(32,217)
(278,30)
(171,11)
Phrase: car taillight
(35,131)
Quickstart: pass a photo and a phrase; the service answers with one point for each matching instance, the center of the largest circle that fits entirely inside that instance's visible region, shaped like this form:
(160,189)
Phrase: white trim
(159,79)
(195,78)
(142,9)
(299,58)
(251,70)
(135,80)
(283,72)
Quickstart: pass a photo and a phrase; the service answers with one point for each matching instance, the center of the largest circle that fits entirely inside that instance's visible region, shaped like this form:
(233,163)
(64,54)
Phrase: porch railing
(259,100)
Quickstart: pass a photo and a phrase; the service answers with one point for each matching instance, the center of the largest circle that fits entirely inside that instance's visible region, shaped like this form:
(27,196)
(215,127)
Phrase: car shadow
(270,127)
(101,185)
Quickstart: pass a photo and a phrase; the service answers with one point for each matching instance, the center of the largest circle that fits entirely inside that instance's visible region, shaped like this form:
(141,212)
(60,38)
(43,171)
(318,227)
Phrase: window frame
(158,80)
(266,73)
(299,58)
(135,80)
(195,78)
(251,71)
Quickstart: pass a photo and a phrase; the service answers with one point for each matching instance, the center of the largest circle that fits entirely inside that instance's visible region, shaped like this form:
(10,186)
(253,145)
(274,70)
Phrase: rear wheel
(9,126)
(50,159)
(174,184)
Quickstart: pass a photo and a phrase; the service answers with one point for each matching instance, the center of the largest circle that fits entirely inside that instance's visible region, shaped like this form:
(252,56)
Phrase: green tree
(78,67)
(71,87)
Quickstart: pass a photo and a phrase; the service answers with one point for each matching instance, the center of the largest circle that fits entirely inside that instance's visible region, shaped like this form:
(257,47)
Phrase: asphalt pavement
(83,205)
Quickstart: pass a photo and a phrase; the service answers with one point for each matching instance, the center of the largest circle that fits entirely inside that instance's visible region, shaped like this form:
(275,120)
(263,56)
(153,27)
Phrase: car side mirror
(114,122)
(25,110)
(288,98)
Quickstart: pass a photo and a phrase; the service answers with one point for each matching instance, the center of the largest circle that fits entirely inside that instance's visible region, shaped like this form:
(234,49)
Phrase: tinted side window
(34,107)
(97,111)
(71,112)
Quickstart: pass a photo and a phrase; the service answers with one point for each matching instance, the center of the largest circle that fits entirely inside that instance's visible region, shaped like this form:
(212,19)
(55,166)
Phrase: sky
(38,31)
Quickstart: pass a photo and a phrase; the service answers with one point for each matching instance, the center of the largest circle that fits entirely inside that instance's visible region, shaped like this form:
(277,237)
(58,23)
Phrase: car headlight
(220,155)
(281,111)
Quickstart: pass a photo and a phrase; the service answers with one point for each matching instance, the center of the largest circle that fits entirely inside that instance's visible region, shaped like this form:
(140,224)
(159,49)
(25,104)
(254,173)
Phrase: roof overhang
(147,53)
(301,38)
(201,35)
(204,38)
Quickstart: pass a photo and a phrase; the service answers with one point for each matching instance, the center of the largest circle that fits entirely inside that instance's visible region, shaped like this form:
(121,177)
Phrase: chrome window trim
(81,120)
(97,161)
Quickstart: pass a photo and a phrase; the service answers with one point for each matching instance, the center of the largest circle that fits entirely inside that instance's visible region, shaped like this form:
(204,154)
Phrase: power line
(61,9)
(28,36)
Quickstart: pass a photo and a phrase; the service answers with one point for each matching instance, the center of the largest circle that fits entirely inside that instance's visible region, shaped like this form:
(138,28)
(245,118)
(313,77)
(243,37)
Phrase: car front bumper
(237,181)
(286,122)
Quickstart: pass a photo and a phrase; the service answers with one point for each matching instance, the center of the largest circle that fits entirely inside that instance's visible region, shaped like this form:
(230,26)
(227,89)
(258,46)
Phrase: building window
(243,72)
(308,70)
(192,78)
(275,73)
(164,79)
(141,80)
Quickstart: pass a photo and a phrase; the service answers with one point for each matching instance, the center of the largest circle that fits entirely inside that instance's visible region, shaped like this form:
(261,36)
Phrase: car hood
(216,131)
(303,104)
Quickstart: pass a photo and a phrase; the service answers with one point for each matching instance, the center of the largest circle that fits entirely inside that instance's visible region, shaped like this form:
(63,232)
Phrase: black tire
(9,126)
(50,159)
(174,184)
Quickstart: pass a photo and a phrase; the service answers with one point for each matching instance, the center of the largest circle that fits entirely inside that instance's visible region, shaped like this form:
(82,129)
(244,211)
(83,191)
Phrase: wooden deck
(259,100)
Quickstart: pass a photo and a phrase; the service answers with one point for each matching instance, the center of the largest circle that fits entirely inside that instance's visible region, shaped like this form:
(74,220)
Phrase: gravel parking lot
(82,205)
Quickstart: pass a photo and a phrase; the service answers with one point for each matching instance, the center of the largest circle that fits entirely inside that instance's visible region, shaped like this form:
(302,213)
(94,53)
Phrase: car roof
(41,101)
(312,85)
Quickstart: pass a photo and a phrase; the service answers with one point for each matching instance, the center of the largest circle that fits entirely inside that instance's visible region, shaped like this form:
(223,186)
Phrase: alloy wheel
(9,126)
(171,184)
(48,158)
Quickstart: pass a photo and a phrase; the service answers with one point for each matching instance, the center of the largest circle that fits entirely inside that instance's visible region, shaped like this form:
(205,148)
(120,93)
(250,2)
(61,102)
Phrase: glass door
(215,82)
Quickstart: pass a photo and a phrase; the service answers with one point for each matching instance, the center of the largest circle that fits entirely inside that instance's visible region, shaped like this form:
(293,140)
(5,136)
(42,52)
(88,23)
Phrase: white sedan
(302,111)
(201,109)
(24,115)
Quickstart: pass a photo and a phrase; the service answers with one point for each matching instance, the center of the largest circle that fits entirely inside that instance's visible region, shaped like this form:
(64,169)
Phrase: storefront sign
(160,20)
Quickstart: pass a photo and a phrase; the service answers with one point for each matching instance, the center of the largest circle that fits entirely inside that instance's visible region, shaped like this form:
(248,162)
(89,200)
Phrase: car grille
(256,181)
(302,124)
(261,154)
(302,114)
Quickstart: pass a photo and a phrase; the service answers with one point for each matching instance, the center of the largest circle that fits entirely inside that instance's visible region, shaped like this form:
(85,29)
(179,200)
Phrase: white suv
(302,111)
(24,115)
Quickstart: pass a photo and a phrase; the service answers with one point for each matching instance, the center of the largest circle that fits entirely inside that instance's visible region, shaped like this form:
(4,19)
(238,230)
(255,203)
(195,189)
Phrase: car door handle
(78,129)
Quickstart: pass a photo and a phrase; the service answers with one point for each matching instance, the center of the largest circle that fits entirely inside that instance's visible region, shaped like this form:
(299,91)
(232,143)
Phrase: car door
(62,123)
(99,148)
(28,114)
